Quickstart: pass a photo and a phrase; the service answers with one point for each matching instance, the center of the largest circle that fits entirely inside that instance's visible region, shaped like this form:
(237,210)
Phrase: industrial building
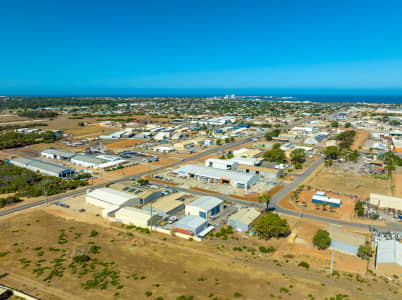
(108,198)
(171,204)
(145,194)
(184,145)
(191,225)
(57,154)
(43,167)
(95,162)
(136,216)
(270,173)
(224,164)
(205,207)
(208,174)
(383,201)
(389,257)
(321,198)
(243,219)
(246,153)
(250,161)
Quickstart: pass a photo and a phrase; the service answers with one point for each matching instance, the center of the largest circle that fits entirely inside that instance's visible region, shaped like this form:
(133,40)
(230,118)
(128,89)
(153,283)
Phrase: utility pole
(332,261)
(151,217)
(45,193)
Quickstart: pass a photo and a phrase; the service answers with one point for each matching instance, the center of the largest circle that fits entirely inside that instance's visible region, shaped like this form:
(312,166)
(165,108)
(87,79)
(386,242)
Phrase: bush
(304,264)
(148,293)
(81,258)
(321,239)
(266,250)
(365,251)
(93,233)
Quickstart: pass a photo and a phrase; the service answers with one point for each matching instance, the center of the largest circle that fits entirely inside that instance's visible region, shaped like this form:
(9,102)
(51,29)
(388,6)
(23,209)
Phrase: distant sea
(348,98)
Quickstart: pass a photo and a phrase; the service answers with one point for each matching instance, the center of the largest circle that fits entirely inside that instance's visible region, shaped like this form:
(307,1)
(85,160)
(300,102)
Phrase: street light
(45,193)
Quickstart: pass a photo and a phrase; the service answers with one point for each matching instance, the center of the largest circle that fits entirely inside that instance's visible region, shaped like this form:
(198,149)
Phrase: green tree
(270,225)
(227,140)
(365,251)
(359,209)
(232,138)
(266,197)
(143,182)
(321,239)
(276,154)
(348,124)
(335,124)
(332,152)
(298,156)
(218,141)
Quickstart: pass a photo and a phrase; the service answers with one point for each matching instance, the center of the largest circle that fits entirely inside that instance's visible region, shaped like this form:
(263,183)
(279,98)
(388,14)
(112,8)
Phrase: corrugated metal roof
(190,221)
(215,173)
(111,196)
(206,203)
(135,214)
(89,159)
(246,215)
(59,152)
(42,165)
(389,251)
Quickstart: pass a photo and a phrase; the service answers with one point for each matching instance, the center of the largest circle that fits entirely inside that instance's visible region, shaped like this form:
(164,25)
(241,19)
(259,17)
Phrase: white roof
(246,215)
(135,213)
(251,161)
(111,196)
(318,193)
(215,173)
(389,251)
(384,201)
(206,203)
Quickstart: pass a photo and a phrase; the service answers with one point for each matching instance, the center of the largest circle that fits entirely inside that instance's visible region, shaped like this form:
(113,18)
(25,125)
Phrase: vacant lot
(123,144)
(344,183)
(38,253)
(361,136)
(397,182)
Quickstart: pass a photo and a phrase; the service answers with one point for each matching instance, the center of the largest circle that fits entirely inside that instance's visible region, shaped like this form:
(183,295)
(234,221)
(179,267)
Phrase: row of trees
(24,182)
(15,139)
(276,154)
(34,114)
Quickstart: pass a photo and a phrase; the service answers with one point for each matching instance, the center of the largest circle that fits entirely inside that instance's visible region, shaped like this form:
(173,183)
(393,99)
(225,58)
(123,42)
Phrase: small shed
(242,220)
(191,225)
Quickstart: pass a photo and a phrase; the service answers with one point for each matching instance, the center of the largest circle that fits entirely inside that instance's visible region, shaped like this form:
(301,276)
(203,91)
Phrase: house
(243,219)
(213,175)
(205,207)
(389,257)
(108,198)
(191,225)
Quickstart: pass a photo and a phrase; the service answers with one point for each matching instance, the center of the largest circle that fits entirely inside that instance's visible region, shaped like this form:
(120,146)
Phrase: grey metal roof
(41,165)
(59,152)
(206,203)
(190,221)
(389,251)
(246,215)
(215,173)
(89,159)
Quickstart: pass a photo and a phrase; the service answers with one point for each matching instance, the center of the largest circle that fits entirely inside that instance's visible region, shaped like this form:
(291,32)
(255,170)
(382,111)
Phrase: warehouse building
(269,173)
(246,153)
(243,219)
(250,161)
(57,154)
(108,198)
(191,225)
(213,175)
(171,204)
(321,198)
(389,257)
(183,145)
(383,201)
(205,207)
(95,162)
(224,164)
(136,216)
(43,167)
(145,194)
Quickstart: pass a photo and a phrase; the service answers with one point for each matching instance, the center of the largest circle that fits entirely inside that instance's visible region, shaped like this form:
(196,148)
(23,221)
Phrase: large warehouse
(109,198)
(57,154)
(214,175)
(137,217)
(205,207)
(269,173)
(389,257)
(243,219)
(43,167)
(383,201)
(191,225)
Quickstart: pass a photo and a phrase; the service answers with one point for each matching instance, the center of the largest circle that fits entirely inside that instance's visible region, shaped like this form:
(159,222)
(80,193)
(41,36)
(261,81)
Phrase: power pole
(151,217)
(332,260)
(44,191)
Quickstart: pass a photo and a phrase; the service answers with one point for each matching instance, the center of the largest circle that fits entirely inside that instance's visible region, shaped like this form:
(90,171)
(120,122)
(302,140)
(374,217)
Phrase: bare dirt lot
(397,182)
(361,136)
(344,183)
(123,144)
(39,253)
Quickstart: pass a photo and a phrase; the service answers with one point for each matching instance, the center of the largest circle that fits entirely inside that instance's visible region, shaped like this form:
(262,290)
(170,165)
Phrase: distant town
(92,184)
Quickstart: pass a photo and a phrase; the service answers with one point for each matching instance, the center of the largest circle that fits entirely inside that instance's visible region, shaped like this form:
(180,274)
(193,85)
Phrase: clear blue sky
(79,47)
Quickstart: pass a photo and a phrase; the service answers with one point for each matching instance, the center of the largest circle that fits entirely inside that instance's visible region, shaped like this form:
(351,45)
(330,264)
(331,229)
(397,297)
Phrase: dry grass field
(38,250)
(344,183)
(397,182)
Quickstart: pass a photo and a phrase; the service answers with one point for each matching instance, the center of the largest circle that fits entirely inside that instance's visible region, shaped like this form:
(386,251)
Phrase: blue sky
(95,47)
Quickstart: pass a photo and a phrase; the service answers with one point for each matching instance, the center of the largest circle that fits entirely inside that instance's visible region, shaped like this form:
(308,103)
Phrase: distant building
(384,201)
(270,173)
(136,216)
(243,219)
(43,167)
(321,198)
(224,164)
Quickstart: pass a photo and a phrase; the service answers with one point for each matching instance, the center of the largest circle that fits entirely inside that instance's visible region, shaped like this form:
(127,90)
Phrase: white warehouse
(205,207)
(109,198)
(214,175)
(136,216)
(224,164)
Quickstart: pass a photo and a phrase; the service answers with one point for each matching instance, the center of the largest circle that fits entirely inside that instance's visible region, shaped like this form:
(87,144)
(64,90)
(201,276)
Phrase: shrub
(237,295)
(148,293)
(304,264)
(266,250)
(81,258)
(93,233)
(321,239)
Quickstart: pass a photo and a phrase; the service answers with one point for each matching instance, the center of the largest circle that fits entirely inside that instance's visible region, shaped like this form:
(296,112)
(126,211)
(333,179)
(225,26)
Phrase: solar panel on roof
(131,190)
(138,191)
(126,188)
